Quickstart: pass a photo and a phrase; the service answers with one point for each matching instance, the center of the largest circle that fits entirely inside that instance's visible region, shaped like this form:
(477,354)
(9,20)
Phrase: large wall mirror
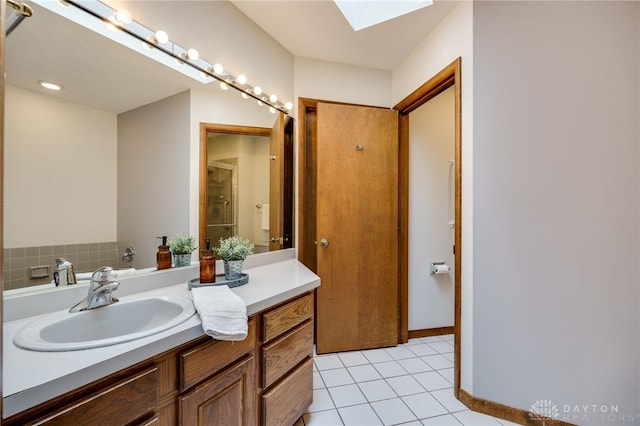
(112,160)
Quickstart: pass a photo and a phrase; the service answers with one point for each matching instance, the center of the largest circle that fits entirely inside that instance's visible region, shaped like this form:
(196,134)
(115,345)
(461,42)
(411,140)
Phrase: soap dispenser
(207,265)
(164,254)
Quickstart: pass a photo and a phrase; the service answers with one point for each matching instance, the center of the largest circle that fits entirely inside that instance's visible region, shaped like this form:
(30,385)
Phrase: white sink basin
(121,322)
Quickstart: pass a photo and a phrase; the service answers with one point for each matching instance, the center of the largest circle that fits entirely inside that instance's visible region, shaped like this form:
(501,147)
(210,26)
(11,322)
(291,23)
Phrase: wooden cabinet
(265,378)
(285,402)
(287,362)
(226,399)
(122,400)
(224,376)
(212,356)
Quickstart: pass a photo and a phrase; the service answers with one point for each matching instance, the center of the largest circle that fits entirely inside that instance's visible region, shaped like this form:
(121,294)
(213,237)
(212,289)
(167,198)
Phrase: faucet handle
(101,275)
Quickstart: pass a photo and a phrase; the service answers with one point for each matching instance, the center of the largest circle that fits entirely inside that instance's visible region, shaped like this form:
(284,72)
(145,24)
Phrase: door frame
(307,170)
(205,128)
(447,77)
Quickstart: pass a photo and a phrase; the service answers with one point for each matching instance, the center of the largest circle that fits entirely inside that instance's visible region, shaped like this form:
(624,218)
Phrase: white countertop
(31,377)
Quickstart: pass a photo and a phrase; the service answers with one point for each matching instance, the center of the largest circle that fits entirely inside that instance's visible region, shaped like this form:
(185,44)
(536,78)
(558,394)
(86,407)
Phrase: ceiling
(318,30)
(39,49)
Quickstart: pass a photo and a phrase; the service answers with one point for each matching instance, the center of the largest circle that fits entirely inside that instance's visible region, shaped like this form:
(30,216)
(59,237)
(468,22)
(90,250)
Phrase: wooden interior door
(276,189)
(357,227)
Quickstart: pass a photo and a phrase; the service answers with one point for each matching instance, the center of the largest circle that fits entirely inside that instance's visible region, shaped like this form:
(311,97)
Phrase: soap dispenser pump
(163,257)
(207,265)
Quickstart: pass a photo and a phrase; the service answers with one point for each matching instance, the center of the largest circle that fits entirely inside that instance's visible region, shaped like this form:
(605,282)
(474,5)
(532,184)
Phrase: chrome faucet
(64,273)
(100,289)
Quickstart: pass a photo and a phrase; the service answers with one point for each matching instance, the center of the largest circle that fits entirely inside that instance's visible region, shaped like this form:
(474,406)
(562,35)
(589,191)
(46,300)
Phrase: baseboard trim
(505,412)
(428,332)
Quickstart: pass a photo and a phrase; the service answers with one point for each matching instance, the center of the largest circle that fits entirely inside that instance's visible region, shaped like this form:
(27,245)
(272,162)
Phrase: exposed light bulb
(272,110)
(193,54)
(64,4)
(241,79)
(273,99)
(123,17)
(205,75)
(260,103)
(161,37)
(49,85)
(224,86)
(257,90)
(218,69)
(146,46)
(244,95)
(288,106)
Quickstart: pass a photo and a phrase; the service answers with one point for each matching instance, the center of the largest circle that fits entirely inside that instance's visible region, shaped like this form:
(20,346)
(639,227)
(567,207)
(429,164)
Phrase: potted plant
(233,251)
(182,245)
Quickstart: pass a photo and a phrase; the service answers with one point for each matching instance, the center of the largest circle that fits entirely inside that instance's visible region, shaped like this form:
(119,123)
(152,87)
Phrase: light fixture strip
(178,53)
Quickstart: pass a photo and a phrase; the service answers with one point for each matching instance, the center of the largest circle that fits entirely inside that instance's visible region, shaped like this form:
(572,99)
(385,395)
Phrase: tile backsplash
(22,265)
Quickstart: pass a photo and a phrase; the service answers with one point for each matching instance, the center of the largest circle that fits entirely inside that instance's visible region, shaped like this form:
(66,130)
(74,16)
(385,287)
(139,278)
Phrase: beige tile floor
(411,384)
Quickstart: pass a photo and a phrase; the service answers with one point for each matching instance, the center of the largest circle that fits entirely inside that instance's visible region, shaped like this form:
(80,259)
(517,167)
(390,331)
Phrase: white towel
(223,313)
(264,217)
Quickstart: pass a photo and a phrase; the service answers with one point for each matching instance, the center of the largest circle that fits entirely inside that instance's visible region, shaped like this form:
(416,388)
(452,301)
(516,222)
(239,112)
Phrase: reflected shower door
(221,209)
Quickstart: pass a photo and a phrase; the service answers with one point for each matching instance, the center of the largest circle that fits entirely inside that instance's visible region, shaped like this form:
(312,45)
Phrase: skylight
(366,13)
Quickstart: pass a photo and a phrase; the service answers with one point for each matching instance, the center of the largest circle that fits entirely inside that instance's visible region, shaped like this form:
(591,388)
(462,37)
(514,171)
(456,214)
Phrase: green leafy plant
(182,244)
(234,248)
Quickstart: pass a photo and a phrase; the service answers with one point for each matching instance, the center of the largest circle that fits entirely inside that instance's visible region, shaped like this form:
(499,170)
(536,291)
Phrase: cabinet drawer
(289,399)
(286,317)
(286,352)
(201,362)
(120,403)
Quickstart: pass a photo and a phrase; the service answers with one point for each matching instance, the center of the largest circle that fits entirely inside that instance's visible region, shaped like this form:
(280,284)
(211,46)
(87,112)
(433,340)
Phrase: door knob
(324,243)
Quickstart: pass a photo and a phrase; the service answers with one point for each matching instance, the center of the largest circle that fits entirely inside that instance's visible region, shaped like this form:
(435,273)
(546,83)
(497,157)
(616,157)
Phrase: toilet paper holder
(438,267)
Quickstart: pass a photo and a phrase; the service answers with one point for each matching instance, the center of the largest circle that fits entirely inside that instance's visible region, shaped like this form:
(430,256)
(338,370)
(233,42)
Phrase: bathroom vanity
(180,376)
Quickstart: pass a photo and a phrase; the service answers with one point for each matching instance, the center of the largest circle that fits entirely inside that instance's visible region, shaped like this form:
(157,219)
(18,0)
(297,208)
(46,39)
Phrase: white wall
(556,204)
(452,38)
(339,82)
(638,369)
(153,175)
(431,207)
(57,153)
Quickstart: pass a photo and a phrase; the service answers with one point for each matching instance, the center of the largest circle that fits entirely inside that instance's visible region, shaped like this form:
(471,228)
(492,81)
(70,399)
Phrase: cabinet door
(226,399)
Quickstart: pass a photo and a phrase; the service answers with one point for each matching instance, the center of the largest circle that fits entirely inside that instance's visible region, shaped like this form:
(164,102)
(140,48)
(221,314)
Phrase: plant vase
(233,269)
(182,259)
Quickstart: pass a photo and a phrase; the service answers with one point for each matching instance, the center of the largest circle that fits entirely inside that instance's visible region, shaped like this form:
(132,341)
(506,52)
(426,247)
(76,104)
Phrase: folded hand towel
(223,313)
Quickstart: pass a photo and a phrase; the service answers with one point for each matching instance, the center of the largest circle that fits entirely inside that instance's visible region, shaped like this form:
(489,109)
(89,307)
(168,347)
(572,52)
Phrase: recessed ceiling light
(49,85)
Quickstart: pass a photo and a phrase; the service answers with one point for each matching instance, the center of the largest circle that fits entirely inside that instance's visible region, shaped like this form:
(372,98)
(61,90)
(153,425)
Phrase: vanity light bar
(199,68)
(22,11)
